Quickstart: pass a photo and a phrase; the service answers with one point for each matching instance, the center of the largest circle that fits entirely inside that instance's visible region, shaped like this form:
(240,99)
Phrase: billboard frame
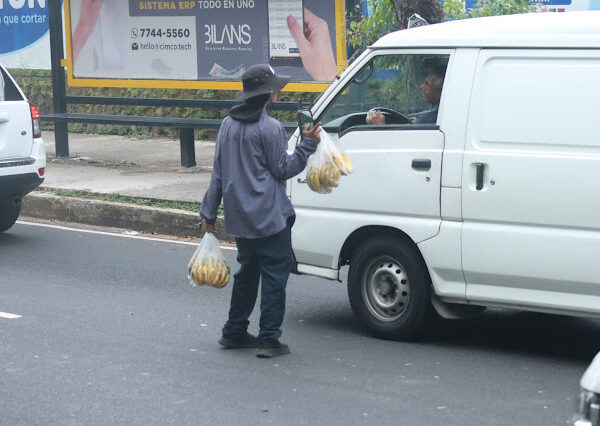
(340,31)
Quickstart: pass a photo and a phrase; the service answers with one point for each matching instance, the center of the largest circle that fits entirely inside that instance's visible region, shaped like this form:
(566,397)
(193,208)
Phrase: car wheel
(390,289)
(9,212)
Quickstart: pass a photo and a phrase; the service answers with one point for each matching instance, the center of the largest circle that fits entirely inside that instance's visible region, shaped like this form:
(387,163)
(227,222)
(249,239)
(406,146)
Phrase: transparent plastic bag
(339,158)
(208,266)
(343,161)
(322,173)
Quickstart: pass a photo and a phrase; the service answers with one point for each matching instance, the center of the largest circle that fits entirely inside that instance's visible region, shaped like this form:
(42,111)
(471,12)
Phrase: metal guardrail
(186,126)
(182,103)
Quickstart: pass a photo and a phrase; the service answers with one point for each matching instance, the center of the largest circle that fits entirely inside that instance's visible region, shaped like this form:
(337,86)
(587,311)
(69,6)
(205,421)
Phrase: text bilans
(228,34)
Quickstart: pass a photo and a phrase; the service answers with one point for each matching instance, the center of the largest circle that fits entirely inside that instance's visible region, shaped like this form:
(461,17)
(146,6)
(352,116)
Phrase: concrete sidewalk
(149,168)
(108,164)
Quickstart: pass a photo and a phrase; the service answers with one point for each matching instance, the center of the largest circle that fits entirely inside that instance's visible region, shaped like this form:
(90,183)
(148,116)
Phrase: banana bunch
(323,180)
(209,272)
(342,162)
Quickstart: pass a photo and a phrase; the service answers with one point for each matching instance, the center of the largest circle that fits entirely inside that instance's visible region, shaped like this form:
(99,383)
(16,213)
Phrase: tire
(390,289)
(9,212)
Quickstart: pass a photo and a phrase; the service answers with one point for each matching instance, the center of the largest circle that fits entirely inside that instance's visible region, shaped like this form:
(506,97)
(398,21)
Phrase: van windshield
(409,85)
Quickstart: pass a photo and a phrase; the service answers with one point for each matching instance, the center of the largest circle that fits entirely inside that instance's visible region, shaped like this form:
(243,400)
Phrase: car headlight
(587,409)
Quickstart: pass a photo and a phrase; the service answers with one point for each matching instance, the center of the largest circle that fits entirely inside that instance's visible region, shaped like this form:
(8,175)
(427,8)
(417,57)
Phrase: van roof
(545,30)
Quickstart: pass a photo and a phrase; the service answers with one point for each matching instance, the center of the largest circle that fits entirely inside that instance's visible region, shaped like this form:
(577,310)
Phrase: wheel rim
(386,289)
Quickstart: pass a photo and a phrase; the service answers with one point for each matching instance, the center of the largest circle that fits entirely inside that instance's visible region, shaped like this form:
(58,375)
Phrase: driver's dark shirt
(428,117)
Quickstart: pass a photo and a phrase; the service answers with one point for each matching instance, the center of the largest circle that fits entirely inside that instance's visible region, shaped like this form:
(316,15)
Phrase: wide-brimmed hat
(260,80)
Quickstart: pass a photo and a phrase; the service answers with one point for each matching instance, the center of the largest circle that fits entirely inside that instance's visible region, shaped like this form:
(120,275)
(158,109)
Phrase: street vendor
(251,167)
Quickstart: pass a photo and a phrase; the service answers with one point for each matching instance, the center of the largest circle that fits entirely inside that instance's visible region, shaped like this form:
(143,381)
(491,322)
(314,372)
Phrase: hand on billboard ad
(315,46)
(90,11)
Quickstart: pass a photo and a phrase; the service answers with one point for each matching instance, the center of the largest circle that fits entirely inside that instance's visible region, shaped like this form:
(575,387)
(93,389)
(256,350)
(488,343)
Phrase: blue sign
(22,23)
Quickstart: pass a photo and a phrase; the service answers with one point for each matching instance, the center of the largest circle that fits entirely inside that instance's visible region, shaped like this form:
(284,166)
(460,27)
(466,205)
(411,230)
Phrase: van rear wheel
(9,212)
(390,289)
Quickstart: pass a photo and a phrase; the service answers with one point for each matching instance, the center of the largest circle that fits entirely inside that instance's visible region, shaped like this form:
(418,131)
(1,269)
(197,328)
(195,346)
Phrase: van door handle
(300,180)
(421,164)
(4,117)
(479,176)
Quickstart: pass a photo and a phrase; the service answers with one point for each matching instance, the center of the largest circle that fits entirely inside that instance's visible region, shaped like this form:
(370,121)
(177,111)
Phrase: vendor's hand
(314,133)
(315,46)
(211,228)
(375,117)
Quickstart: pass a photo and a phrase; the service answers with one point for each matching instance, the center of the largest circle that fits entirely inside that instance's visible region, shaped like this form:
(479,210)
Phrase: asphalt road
(111,332)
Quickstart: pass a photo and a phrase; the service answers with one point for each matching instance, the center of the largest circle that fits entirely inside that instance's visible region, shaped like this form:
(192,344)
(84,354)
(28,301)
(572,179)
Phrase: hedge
(37,86)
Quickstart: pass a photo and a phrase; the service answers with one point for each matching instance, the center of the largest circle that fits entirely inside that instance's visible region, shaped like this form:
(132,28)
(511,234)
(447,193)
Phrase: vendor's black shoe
(269,348)
(242,341)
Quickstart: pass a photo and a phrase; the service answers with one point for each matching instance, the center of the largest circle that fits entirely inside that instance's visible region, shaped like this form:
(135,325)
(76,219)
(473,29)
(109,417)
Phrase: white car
(588,405)
(22,154)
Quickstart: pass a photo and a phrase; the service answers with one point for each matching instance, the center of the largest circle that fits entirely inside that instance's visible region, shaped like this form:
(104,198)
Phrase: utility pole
(61,133)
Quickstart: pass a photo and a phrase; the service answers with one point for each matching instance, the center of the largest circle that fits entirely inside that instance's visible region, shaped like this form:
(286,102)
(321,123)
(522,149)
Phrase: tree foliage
(391,15)
(430,10)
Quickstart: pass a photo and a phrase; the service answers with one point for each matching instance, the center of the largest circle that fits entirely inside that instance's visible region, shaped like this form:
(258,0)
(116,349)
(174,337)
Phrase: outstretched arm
(282,165)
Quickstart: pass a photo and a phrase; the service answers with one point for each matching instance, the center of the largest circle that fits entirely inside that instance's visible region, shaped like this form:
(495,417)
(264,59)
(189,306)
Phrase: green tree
(392,15)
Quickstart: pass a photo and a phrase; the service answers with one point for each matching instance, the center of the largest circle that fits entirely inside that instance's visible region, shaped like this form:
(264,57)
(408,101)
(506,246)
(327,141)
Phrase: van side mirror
(305,117)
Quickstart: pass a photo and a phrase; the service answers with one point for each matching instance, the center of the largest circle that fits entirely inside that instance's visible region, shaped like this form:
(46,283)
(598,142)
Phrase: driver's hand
(375,117)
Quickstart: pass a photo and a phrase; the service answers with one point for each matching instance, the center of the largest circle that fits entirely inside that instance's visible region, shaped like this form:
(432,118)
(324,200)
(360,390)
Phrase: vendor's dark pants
(269,258)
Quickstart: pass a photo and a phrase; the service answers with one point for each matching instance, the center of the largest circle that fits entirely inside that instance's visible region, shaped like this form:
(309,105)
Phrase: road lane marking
(9,316)
(114,234)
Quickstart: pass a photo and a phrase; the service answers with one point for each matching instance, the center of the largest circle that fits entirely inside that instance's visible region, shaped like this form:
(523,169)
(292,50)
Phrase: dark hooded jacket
(250,169)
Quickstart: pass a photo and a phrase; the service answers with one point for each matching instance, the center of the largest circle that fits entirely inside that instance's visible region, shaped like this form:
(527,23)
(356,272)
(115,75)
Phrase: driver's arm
(375,117)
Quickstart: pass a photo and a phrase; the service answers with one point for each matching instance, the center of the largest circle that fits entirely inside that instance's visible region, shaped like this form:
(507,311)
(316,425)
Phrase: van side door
(531,232)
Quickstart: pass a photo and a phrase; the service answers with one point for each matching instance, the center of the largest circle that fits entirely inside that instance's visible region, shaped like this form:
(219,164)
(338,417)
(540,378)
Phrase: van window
(410,85)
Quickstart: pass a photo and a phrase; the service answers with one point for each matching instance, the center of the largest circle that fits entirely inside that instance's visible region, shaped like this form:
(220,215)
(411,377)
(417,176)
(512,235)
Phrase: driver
(432,92)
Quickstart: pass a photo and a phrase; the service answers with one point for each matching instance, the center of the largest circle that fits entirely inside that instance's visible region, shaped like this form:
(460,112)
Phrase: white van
(496,202)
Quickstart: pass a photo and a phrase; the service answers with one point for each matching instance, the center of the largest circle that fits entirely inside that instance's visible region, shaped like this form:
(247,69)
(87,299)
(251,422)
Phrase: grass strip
(118,198)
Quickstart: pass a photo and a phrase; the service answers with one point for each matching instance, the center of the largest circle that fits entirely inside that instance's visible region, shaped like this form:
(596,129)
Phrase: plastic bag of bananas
(208,266)
(341,159)
(326,165)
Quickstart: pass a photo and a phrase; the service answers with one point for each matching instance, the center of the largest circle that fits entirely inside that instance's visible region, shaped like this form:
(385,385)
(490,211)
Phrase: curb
(44,205)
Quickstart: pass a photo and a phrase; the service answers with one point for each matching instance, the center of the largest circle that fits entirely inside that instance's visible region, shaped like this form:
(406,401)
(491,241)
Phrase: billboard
(205,44)
(24,39)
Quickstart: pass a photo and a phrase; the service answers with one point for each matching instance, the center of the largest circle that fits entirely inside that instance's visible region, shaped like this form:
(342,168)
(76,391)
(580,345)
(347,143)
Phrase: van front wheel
(389,288)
